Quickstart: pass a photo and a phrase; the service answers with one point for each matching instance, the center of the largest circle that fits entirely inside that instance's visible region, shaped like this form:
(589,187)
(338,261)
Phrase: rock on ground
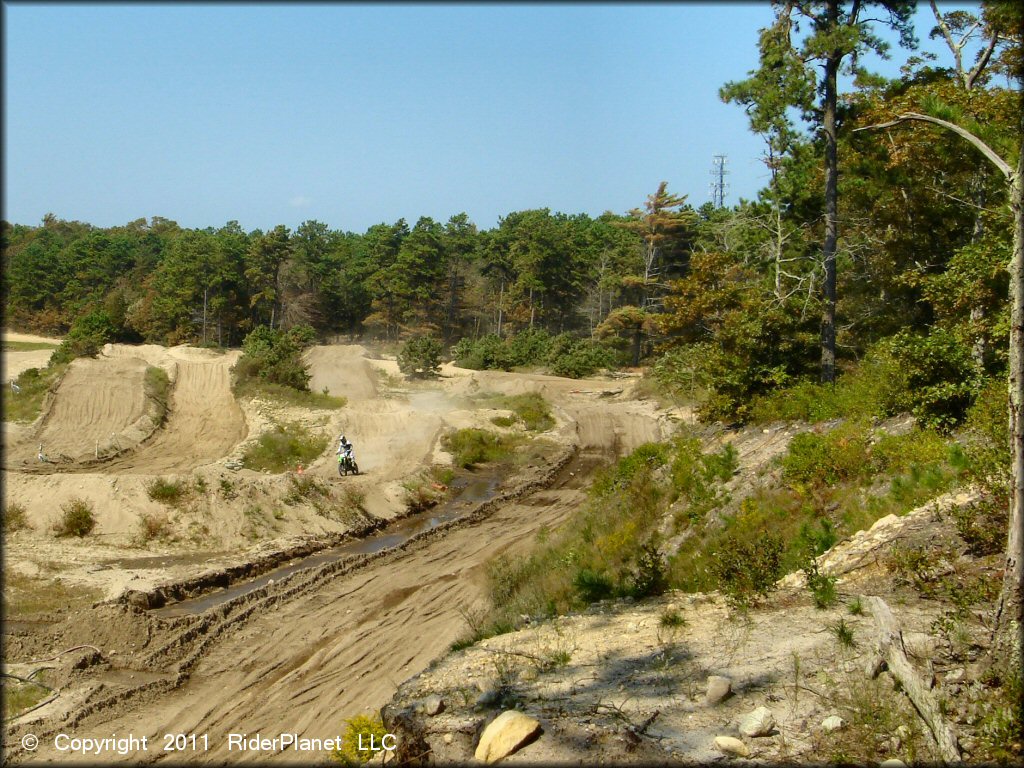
(506,733)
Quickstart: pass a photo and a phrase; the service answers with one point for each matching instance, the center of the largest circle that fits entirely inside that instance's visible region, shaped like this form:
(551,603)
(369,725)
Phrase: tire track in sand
(203,424)
(95,400)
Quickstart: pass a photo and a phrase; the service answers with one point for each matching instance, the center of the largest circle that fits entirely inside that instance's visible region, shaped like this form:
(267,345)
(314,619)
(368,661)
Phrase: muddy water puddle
(469,491)
(161,561)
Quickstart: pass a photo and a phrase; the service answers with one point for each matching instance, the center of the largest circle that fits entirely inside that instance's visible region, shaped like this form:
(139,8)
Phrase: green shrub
(938,381)
(275,356)
(167,491)
(650,575)
(77,519)
(469,447)
(420,357)
(745,570)
(593,586)
(829,458)
(982,524)
(486,353)
(528,347)
(864,392)
(579,358)
(360,731)
(283,447)
(88,334)
(822,586)
(15,517)
(565,355)
(532,409)
(503,421)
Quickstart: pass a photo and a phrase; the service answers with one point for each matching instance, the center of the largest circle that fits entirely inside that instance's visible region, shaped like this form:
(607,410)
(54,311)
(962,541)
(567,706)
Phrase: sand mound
(204,422)
(342,370)
(96,400)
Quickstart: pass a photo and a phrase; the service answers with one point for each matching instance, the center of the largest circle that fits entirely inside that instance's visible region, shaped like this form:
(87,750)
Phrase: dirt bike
(347,464)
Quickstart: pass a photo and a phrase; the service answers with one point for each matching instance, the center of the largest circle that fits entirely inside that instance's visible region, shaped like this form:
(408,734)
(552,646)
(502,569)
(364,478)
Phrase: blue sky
(361,114)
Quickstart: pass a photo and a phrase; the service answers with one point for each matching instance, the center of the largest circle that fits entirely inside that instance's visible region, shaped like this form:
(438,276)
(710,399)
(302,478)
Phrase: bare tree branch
(982,147)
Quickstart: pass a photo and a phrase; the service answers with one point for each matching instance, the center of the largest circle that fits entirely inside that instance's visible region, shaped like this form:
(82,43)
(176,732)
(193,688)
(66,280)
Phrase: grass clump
(167,491)
(27,596)
(470,447)
(153,526)
(157,387)
(19,695)
(422,492)
(305,488)
(24,406)
(360,732)
(531,408)
(15,517)
(285,395)
(77,519)
(282,448)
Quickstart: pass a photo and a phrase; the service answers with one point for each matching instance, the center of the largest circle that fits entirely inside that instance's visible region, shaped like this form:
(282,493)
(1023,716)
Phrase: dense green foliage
(275,357)
(565,354)
(470,447)
(420,357)
(283,448)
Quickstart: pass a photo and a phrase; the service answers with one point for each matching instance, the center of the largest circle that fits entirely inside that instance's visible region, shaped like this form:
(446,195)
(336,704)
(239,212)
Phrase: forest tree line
(863,244)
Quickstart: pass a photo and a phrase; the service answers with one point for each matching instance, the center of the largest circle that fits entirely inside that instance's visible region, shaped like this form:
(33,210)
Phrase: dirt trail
(303,664)
(306,665)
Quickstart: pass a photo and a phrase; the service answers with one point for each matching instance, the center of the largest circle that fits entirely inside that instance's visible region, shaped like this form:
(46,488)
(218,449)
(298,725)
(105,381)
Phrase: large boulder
(508,732)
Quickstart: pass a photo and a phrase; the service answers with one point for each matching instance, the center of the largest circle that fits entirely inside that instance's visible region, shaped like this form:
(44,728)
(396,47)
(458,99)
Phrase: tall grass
(24,406)
(531,408)
(283,447)
(477,446)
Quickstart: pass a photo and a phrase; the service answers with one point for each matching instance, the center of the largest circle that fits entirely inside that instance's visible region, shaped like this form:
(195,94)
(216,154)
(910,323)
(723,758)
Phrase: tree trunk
(1010,610)
(828,318)
(891,651)
(501,301)
(979,348)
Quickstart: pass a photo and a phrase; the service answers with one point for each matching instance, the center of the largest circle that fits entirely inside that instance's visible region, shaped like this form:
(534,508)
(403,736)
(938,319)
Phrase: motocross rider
(344,447)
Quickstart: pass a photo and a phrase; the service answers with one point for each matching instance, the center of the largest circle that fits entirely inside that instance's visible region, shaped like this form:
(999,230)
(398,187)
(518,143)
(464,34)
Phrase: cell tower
(718,185)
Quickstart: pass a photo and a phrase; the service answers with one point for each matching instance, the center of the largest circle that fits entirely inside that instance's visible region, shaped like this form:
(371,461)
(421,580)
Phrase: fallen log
(892,654)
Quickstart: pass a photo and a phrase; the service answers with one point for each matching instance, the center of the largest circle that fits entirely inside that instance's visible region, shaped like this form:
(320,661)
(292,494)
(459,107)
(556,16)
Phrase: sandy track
(342,370)
(303,665)
(96,399)
(310,663)
(204,422)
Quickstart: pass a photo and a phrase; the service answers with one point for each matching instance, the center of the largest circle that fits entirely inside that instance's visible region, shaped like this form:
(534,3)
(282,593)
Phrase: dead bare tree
(1009,617)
